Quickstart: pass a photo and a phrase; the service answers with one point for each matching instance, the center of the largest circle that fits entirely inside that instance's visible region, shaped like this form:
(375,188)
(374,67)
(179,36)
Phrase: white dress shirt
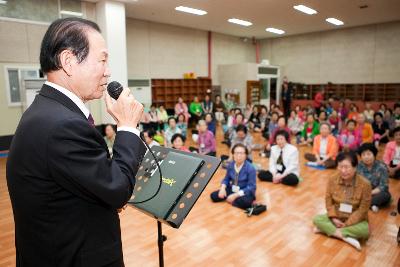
(290,157)
(83,108)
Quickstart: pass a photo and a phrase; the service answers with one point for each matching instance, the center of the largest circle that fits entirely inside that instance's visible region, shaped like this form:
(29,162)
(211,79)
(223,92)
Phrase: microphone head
(114,89)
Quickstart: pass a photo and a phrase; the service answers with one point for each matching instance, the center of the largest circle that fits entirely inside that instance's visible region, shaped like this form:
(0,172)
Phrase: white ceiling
(265,13)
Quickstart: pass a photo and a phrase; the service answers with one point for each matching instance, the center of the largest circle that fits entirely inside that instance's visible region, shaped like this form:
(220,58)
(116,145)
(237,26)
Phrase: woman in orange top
(365,129)
(325,148)
(353,113)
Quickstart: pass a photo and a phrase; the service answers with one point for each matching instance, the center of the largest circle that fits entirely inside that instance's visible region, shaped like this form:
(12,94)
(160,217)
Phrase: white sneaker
(352,241)
(375,209)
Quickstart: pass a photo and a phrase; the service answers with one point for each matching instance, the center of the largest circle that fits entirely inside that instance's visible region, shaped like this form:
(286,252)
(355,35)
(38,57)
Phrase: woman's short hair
(378,114)
(241,128)
(239,114)
(395,130)
(67,33)
(350,156)
(171,118)
(367,147)
(178,135)
(282,117)
(351,121)
(150,133)
(325,123)
(283,133)
(239,145)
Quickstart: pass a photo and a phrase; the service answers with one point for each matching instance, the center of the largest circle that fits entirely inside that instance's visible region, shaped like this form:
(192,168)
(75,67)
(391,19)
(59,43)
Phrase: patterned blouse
(377,176)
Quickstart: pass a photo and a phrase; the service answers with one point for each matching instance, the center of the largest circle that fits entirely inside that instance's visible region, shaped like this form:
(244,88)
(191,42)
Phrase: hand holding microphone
(126,111)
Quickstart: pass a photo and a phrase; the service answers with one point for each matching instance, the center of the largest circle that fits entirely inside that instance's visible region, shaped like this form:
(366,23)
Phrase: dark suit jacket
(64,188)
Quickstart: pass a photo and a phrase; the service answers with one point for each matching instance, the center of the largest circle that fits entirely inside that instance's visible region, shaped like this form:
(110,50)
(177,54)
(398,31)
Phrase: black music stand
(187,198)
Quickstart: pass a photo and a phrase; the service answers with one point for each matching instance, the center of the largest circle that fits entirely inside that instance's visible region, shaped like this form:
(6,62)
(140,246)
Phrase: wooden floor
(221,235)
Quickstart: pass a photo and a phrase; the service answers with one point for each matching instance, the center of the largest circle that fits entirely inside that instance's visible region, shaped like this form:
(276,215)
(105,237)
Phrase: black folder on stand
(185,176)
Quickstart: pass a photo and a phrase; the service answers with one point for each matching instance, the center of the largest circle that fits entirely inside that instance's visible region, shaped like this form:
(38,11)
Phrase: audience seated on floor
(182,108)
(195,110)
(109,137)
(310,130)
(281,126)
(325,148)
(219,109)
(391,156)
(365,129)
(182,124)
(163,117)
(211,123)
(254,120)
(242,136)
(335,122)
(178,142)
(381,129)
(295,125)
(206,140)
(148,136)
(238,188)
(377,173)
(349,138)
(207,105)
(283,163)
(348,198)
(170,131)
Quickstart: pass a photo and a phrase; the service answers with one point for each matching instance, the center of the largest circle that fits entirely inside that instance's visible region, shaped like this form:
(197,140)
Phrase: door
(253,92)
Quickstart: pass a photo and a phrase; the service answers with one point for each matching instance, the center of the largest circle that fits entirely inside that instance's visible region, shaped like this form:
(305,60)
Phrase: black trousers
(243,202)
(290,179)
(381,199)
(397,173)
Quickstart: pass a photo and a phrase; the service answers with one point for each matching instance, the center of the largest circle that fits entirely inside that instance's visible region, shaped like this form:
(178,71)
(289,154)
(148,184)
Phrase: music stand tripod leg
(161,239)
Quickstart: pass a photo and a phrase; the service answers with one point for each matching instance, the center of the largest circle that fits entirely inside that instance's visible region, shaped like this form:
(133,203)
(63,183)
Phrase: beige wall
(164,51)
(20,47)
(20,43)
(368,54)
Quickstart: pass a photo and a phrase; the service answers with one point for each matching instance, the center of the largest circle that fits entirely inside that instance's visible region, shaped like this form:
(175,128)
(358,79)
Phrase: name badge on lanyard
(279,167)
(344,207)
(235,188)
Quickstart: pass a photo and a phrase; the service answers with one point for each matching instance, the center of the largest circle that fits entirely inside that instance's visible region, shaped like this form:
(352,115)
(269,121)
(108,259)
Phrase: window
(15,77)
(41,11)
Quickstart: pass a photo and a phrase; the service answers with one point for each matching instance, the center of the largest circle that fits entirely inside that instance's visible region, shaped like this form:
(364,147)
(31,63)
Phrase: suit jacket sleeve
(79,162)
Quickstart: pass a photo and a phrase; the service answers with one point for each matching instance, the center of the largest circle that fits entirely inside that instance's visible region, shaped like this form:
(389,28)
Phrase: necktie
(91,120)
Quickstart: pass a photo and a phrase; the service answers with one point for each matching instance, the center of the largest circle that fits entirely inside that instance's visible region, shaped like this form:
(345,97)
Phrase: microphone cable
(114,89)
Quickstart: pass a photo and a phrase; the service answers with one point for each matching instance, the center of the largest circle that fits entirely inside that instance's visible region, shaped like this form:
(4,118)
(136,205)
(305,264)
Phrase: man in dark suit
(64,187)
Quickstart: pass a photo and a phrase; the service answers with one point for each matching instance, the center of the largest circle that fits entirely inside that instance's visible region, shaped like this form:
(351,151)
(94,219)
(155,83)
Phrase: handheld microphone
(115,89)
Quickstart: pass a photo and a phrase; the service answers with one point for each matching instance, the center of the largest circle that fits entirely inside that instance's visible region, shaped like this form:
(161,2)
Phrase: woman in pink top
(206,140)
(349,138)
(391,156)
(182,108)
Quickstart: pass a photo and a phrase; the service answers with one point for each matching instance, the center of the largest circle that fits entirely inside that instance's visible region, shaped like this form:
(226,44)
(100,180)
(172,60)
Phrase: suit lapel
(50,92)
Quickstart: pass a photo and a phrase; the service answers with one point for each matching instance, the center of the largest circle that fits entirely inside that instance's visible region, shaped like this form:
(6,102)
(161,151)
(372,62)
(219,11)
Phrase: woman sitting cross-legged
(310,130)
(348,198)
(239,185)
(349,138)
(391,156)
(283,163)
(325,147)
(377,174)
